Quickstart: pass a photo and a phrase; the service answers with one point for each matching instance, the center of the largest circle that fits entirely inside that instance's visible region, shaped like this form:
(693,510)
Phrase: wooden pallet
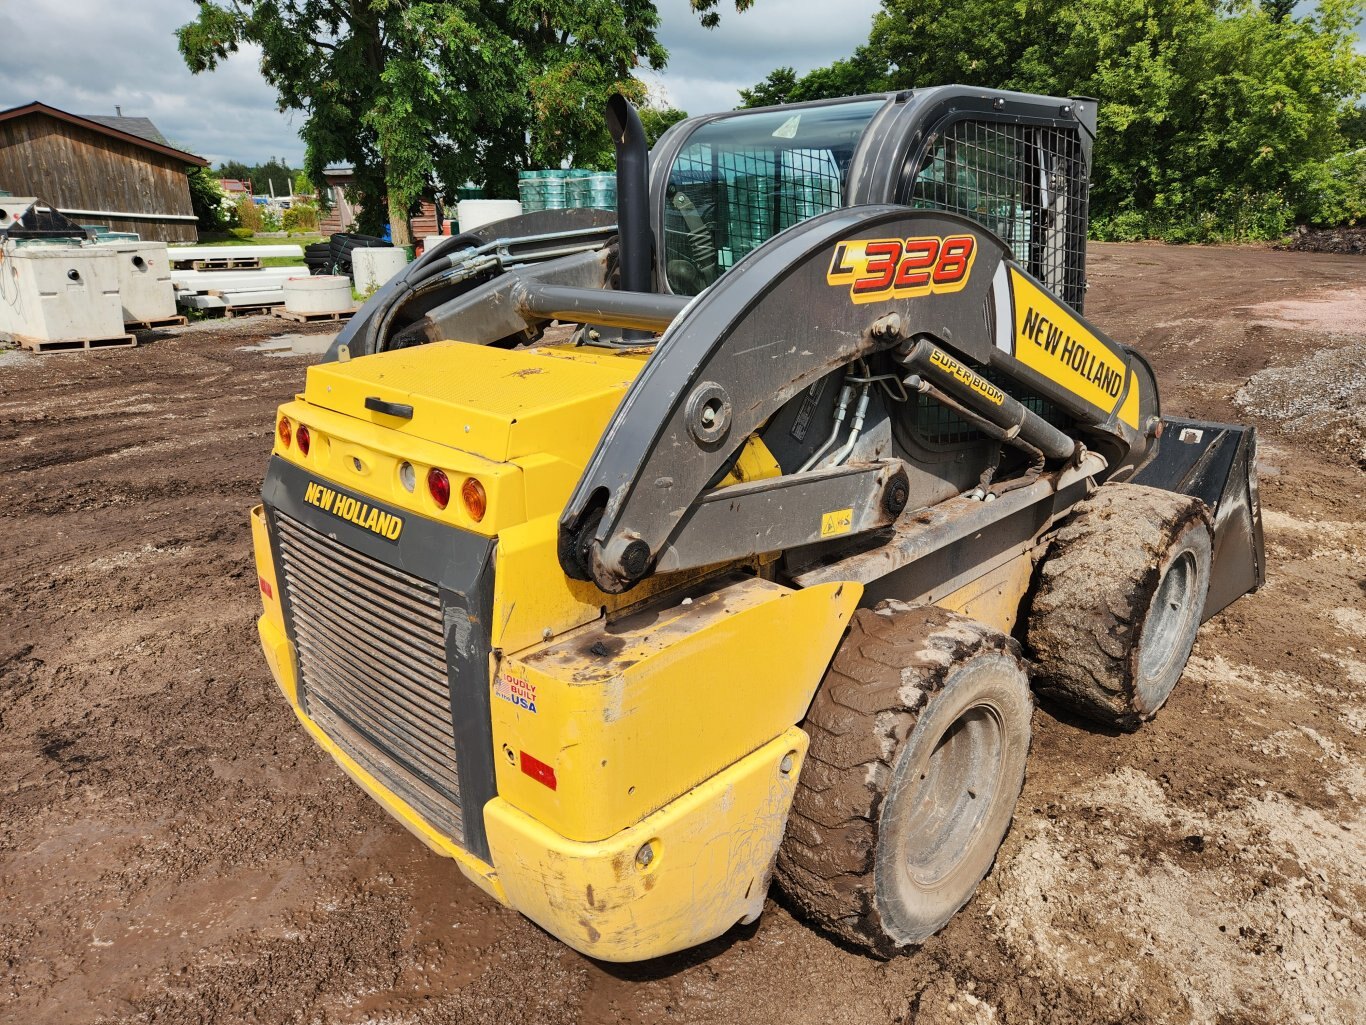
(148,325)
(249,311)
(219,263)
(75,344)
(313,318)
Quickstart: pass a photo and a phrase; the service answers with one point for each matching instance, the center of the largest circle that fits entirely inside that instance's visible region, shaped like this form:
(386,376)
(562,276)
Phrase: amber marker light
(475,499)
(285,431)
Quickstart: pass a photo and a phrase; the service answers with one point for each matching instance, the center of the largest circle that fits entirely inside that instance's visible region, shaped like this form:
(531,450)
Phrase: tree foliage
(206,199)
(861,73)
(1218,118)
(424,96)
(655,118)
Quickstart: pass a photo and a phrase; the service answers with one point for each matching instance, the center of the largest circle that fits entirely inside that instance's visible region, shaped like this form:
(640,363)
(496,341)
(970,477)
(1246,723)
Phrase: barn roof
(142,127)
(126,129)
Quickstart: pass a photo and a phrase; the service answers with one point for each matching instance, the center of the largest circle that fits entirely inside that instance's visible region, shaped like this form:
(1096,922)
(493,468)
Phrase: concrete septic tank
(60,294)
(145,288)
(321,293)
(373,267)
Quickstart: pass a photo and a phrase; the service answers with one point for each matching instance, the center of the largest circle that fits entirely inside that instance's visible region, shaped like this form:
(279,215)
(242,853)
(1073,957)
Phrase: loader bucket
(1216,463)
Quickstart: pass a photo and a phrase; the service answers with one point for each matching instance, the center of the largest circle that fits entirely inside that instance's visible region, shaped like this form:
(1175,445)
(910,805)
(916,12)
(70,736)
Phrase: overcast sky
(86,56)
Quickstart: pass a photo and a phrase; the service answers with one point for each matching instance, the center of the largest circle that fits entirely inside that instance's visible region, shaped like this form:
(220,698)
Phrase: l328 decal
(901,268)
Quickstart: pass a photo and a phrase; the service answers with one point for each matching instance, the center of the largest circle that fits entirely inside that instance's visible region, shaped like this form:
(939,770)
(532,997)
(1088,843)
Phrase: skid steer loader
(748,575)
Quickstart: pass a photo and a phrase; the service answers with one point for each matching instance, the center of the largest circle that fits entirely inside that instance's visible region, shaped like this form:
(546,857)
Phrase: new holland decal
(901,268)
(353,510)
(1053,342)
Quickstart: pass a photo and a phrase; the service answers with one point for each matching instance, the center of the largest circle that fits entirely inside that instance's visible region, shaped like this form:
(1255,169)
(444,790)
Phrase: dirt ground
(174,849)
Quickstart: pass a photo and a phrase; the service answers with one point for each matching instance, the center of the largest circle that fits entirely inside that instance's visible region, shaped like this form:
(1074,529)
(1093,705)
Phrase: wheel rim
(952,797)
(1167,627)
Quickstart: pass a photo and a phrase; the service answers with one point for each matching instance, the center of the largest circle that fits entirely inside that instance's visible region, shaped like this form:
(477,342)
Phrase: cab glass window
(740,180)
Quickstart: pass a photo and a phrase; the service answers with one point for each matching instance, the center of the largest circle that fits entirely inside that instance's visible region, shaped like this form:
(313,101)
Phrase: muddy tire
(1118,602)
(919,735)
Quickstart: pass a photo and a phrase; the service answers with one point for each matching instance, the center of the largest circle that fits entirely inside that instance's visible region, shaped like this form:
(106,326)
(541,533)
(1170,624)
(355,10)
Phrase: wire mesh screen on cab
(1026,183)
(741,179)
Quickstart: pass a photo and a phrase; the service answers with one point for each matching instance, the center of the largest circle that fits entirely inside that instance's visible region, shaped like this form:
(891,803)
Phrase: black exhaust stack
(633,195)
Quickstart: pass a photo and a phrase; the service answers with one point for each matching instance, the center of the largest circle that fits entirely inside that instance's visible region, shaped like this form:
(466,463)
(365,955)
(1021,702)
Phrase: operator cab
(1017,165)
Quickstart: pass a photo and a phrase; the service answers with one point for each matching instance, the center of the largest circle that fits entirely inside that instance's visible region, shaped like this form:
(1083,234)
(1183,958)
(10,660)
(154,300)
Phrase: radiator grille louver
(372,667)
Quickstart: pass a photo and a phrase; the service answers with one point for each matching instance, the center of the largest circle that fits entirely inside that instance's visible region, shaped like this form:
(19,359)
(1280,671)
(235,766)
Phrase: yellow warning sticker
(1052,341)
(833,524)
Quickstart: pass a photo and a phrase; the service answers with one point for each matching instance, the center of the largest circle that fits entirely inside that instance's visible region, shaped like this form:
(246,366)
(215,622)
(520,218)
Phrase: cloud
(708,67)
(86,56)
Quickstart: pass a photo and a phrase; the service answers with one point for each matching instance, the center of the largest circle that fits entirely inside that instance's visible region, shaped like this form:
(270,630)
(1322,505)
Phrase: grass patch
(231,238)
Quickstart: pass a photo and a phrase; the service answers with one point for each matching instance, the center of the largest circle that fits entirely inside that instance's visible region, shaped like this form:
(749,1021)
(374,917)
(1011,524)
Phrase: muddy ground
(174,849)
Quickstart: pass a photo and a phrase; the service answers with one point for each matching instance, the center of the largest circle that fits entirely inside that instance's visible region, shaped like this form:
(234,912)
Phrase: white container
(145,288)
(473,213)
(56,294)
(322,293)
(374,267)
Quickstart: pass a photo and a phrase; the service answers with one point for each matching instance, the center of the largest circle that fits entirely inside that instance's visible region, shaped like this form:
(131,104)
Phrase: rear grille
(372,667)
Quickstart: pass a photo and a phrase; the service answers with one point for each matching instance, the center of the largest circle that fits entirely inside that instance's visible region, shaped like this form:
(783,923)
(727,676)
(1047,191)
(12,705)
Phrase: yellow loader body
(644,747)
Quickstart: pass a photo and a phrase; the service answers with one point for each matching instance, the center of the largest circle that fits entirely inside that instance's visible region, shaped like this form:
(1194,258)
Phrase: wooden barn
(115,171)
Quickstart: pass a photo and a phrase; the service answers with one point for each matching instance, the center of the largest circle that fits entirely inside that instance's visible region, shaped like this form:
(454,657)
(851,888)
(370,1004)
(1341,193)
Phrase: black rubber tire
(1118,602)
(861,858)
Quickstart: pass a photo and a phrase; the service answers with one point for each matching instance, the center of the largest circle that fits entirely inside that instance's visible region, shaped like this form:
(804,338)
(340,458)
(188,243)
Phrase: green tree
(710,17)
(1217,117)
(303,186)
(656,119)
(421,96)
(206,198)
(1279,10)
(864,72)
(235,170)
(773,90)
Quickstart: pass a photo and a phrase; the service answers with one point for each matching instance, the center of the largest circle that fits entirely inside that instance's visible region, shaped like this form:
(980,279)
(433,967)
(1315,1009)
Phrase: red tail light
(284,432)
(303,437)
(440,487)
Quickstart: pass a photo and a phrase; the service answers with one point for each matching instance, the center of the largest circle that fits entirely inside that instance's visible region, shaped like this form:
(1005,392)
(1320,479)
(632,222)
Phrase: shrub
(301,218)
(248,214)
(1339,191)
(206,199)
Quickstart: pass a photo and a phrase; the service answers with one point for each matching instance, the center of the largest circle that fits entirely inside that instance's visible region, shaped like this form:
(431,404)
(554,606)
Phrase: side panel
(604,726)
(677,878)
